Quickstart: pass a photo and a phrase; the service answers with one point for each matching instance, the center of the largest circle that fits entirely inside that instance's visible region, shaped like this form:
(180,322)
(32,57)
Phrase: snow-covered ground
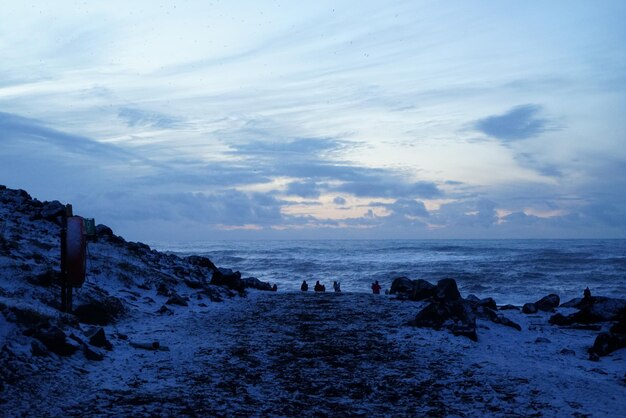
(269,354)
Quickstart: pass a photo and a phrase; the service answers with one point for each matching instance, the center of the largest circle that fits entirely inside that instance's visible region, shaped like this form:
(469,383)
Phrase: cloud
(521,122)
(16,129)
(390,186)
(142,118)
(306,189)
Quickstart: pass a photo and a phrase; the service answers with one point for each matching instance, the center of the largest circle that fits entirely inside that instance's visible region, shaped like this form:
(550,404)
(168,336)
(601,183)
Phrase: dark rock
(254,283)
(465,329)
(598,309)
(567,352)
(103,231)
(507,322)
(165,310)
(91,354)
(509,308)
(144,286)
(193,284)
(38,349)
(606,343)
(227,278)
(163,290)
(52,210)
(447,290)
(486,313)
(548,303)
(45,279)
(542,340)
(620,326)
(594,357)
(574,303)
(456,316)
(402,285)
(176,299)
(97,338)
(529,308)
(55,340)
(138,247)
(201,262)
(486,302)
(422,290)
(100,312)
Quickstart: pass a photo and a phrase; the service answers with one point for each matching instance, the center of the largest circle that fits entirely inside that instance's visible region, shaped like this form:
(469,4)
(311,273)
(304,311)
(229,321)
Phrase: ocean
(510,271)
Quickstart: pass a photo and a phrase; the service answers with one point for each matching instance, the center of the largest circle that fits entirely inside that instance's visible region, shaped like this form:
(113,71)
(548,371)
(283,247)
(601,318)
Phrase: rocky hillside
(125,281)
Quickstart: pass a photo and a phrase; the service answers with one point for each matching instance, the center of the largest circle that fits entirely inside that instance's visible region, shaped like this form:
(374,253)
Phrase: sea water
(510,271)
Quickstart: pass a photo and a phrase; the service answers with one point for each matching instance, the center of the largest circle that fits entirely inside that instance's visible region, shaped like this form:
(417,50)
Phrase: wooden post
(66,289)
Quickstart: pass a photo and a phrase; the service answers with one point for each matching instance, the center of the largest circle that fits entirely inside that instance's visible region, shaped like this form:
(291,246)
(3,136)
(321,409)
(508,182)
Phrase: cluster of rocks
(446,308)
(593,310)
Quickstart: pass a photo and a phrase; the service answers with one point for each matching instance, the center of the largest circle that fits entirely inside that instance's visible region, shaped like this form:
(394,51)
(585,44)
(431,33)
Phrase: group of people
(336,286)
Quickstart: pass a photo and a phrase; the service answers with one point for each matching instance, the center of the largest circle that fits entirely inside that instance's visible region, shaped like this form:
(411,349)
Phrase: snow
(275,353)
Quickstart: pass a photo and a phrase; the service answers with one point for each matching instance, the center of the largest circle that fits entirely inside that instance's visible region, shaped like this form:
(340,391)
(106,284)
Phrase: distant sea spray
(511,271)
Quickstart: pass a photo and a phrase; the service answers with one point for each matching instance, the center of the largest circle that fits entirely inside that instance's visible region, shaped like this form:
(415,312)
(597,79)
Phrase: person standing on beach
(305,286)
(376,288)
(337,286)
(319,287)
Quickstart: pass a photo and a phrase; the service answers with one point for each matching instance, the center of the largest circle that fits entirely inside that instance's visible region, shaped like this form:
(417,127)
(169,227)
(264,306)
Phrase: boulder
(548,303)
(606,343)
(456,316)
(486,302)
(529,308)
(402,285)
(254,283)
(55,340)
(45,279)
(103,231)
(52,210)
(509,308)
(163,290)
(100,312)
(507,322)
(620,326)
(164,310)
(574,303)
(422,290)
(596,309)
(98,338)
(472,298)
(176,299)
(197,260)
(447,290)
(38,349)
(227,278)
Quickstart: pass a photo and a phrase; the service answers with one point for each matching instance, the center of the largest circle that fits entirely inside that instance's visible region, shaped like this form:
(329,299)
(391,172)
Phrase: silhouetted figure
(305,286)
(376,288)
(337,286)
(587,293)
(319,287)
(274,288)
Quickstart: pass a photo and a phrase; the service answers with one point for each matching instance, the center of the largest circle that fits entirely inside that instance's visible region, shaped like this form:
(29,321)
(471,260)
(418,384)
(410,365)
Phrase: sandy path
(286,354)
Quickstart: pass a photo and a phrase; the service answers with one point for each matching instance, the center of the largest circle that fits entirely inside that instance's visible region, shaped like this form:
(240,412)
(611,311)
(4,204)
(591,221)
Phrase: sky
(198,120)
